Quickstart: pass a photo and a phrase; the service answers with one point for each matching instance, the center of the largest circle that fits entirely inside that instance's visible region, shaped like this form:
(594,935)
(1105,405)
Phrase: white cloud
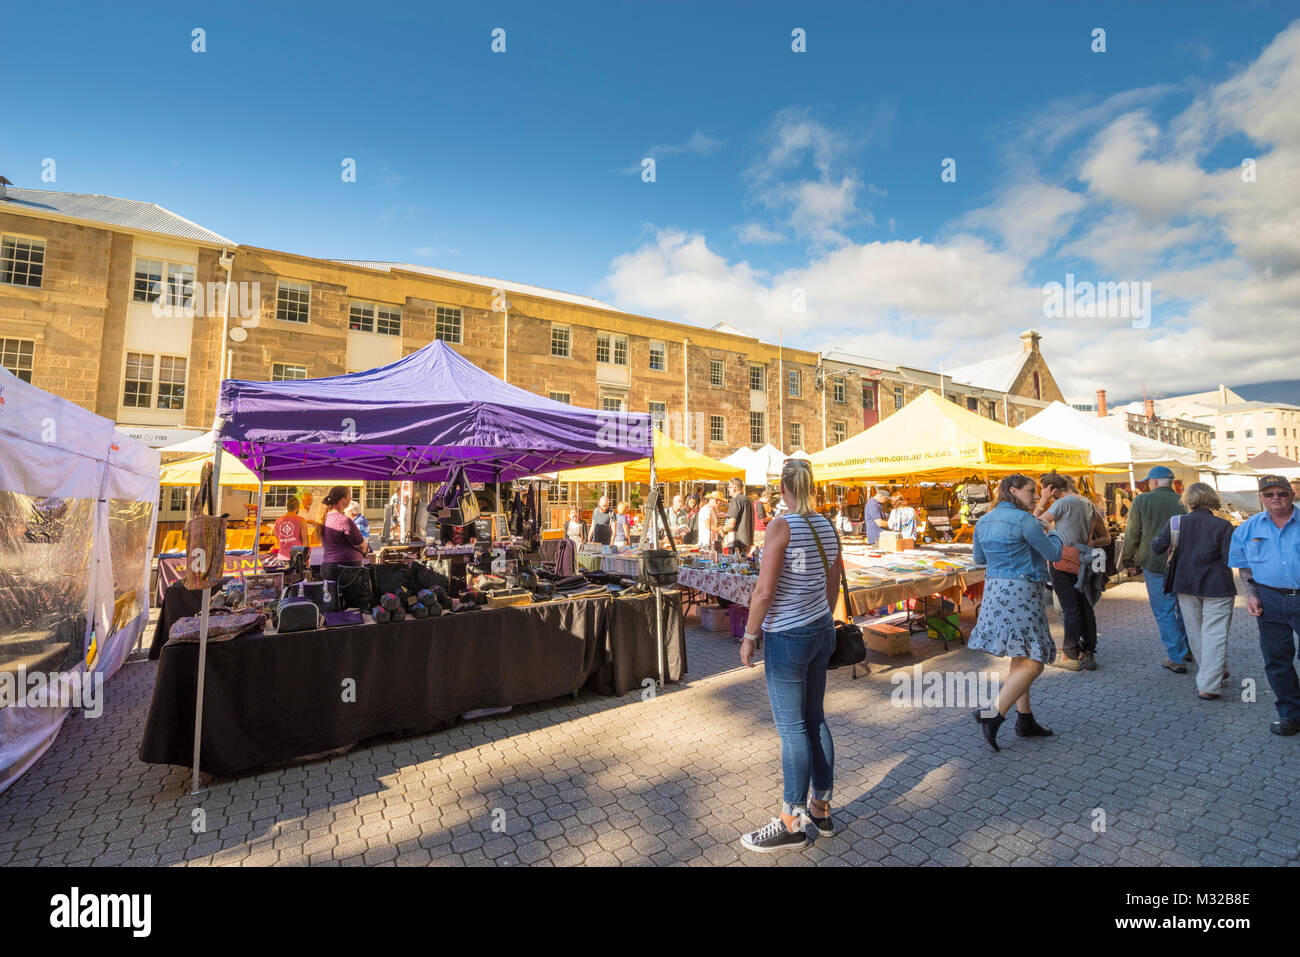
(1028,216)
(757,234)
(698,144)
(1137,199)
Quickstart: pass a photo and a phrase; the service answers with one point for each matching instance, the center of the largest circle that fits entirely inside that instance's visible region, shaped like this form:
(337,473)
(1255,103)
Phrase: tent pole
(257,529)
(203,615)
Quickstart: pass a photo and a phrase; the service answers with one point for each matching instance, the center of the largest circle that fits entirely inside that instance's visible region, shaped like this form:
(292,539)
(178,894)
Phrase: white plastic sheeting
(78,508)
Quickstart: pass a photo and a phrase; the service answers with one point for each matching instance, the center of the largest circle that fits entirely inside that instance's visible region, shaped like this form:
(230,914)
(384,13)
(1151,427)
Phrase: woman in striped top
(792,603)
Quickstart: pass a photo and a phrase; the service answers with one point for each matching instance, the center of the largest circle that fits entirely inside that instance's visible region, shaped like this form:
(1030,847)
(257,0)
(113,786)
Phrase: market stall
(77,509)
(428,417)
(274,699)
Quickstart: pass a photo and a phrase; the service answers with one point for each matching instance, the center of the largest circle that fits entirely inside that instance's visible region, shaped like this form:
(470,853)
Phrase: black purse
(850,649)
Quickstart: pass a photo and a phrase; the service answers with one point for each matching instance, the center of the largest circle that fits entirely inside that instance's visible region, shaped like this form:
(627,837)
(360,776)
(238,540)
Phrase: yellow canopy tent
(674,462)
(935,439)
(234,473)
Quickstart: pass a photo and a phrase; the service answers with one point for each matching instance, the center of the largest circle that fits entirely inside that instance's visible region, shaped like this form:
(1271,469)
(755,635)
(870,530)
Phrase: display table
(879,580)
(734,588)
(274,699)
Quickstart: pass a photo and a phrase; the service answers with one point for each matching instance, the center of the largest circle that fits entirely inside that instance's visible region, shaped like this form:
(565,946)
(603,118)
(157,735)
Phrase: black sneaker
(823,824)
(774,836)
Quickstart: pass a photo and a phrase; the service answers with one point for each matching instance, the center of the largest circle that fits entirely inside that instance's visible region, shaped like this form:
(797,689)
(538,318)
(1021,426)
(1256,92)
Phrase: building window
(611,349)
(758,378)
(837,391)
(658,414)
(717,429)
(377,495)
(1230,434)
(146,285)
(839,432)
(560,341)
(1038,387)
(16,356)
(993,410)
(292,301)
(561,397)
(972,404)
(171,383)
(179,499)
(22,261)
(658,357)
(796,383)
(796,435)
(869,398)
(1273,448)
(757,429)
(716,373)
(277,497)
(147,282)
(1270,432)
(557,493)
(138,392)
(1250,433)
(285,372)
(898,397)
(609,403)
(1250,452)
(371,317)
(447,326)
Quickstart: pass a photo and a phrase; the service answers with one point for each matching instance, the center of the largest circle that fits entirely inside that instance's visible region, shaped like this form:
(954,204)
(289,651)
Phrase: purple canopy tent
(415,419)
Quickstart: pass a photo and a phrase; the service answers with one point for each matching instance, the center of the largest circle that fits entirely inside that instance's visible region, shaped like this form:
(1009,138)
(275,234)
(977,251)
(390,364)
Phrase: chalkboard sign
(483,529)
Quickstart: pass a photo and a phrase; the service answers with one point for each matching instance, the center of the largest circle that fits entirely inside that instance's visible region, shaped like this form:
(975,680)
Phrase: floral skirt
(1013,621)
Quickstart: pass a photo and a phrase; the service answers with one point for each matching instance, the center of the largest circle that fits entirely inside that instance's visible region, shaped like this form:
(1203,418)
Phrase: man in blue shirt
(1266,549)
(875,514)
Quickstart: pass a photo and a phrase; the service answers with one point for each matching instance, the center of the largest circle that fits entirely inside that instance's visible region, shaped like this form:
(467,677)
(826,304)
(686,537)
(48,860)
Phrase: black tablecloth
(281,698)
(632,653)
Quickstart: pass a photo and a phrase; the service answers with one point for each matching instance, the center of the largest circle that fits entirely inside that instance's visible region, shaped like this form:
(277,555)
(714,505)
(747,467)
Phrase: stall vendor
(875,515)
(602,531)
(345,551)
(314,516)
(290,529)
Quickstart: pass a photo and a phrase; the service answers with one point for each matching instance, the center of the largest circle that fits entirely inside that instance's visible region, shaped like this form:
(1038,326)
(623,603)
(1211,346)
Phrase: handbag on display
(205,538)
(323,594)
(850,649)
(295,613)
(455,503)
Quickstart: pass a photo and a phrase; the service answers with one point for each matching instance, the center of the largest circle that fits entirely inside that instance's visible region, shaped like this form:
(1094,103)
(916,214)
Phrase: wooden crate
(887,639)
(890,542)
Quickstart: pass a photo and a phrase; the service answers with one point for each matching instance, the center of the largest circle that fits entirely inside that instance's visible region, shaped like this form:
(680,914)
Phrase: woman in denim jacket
(1013,620)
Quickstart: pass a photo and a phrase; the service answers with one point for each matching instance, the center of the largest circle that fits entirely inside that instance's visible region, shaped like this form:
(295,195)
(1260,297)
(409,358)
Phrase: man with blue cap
(1266,550)
(1148,516)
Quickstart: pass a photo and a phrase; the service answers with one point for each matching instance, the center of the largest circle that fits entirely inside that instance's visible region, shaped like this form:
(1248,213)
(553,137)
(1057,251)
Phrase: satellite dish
(238,334)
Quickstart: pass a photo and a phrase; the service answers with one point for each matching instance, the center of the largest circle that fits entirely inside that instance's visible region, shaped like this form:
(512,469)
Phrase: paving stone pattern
(676,779)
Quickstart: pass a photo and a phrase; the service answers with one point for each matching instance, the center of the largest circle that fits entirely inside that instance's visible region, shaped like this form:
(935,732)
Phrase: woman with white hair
(1198,574)
(358,518)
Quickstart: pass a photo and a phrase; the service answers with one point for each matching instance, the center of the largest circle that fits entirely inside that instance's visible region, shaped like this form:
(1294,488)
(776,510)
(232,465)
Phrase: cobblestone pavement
(676,779)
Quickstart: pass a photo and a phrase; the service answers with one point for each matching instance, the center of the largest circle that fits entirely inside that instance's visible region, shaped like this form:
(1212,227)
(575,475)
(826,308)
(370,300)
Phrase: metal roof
(519,287)
(110,210)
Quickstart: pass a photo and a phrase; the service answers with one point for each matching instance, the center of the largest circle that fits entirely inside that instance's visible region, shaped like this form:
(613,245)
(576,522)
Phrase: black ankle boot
(1027,727)
(990,728)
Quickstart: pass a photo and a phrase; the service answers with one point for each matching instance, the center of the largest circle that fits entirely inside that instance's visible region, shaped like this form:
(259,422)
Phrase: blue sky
(775,170)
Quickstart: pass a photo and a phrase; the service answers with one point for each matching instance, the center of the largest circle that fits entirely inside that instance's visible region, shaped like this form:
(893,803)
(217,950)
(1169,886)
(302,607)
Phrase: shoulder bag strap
(826,565)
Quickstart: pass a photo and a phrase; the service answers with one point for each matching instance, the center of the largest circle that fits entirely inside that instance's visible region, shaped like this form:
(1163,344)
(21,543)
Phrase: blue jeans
(794,663)
(1277,627)
(1168,618)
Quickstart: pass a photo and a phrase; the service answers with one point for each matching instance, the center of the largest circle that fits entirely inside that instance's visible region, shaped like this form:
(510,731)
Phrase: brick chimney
(1101,403)
(1150,407)
(1030,339)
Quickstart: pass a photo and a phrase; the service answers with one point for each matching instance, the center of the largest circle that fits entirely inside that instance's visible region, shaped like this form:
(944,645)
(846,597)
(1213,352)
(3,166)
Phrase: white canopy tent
(1110,444)
(78,507)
